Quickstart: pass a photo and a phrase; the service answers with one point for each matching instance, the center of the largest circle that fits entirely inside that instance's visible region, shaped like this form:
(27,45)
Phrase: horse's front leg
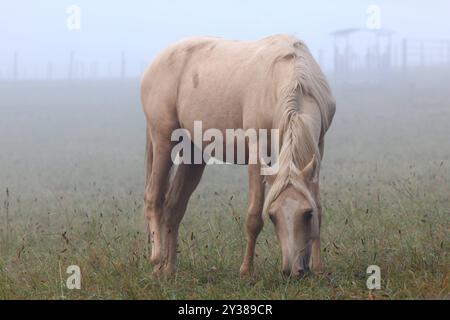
(316,262)
(254,222)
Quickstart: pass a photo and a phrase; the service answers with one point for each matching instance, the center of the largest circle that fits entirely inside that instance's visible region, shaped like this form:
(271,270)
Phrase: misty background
(72,159)
(118,39)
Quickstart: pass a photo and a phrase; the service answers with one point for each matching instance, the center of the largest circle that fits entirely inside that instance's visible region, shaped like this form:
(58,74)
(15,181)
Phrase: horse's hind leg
(181,188)
(158,167)
(149,162)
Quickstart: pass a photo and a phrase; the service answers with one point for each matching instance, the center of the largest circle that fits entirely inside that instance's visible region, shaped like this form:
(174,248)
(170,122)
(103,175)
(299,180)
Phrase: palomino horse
(265,84)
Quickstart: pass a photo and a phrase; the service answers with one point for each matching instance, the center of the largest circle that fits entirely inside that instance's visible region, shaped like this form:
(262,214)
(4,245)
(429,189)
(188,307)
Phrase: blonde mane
(297,144)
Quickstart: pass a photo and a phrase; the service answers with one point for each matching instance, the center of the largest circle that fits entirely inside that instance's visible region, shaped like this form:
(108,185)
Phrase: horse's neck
(311,117)
(300,132)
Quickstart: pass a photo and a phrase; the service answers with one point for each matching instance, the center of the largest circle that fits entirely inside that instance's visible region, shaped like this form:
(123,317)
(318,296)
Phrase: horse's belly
(231,144)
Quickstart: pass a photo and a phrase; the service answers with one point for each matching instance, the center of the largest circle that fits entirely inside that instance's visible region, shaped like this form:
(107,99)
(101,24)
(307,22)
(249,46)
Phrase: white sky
(38,31)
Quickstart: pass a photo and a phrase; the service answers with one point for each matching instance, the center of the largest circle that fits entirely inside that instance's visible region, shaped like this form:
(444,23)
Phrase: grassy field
(71,190)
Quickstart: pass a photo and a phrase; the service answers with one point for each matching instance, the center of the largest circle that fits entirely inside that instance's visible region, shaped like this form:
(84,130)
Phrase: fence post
(422,53)
(49,71)
(16,66)
(336,56)
(122,65)
(81,70)
(93,70)
(448,52)
(404,54)
(71,64)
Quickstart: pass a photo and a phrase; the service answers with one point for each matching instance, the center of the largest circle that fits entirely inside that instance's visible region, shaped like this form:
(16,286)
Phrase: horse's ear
(310,171)
(269,170)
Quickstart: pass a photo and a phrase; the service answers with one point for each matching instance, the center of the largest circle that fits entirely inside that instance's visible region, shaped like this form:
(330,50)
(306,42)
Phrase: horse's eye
(308,215)
(272,217)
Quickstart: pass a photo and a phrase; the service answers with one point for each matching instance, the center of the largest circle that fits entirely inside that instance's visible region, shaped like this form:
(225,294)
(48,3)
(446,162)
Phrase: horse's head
(294,213)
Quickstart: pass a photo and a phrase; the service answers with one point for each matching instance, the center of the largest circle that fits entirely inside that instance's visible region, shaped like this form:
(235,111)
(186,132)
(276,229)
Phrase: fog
(38,32)
(73,135)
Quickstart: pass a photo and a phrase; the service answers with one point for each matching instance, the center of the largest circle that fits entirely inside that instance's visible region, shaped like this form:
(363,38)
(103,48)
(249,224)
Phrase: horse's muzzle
(298,269)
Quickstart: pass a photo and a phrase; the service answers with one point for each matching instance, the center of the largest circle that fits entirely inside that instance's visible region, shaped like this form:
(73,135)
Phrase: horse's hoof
(163,270)
(155,259)
(169,271)
(321,272)
(245,271)
(317,269)
(158,270)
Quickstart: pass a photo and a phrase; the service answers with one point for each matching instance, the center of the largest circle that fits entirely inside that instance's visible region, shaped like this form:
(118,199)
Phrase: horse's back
(200,77)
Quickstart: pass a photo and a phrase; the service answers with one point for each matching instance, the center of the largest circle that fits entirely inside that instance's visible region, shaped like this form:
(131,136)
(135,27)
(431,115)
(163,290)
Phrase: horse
(271,83)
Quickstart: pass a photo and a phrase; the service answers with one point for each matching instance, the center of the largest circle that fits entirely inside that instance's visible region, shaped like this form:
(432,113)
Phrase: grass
(72,162)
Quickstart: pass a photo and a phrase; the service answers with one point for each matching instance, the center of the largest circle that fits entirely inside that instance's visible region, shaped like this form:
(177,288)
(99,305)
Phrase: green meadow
(71,192)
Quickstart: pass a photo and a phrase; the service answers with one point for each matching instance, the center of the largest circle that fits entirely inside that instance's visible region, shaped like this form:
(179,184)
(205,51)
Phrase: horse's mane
(297,144)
